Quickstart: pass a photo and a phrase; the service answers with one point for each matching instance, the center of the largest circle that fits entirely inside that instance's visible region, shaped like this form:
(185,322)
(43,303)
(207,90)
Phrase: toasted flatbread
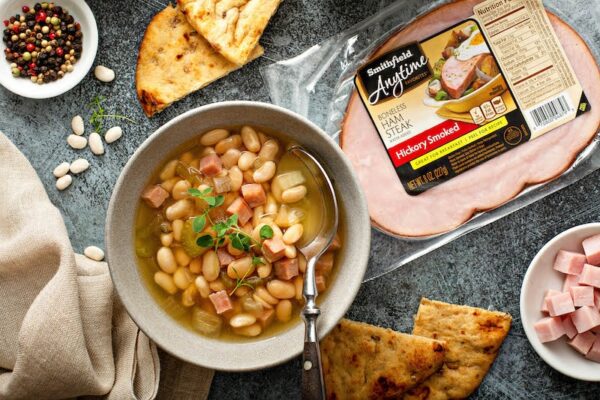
(362,361)
(473,337)
(174,60)
(232,27)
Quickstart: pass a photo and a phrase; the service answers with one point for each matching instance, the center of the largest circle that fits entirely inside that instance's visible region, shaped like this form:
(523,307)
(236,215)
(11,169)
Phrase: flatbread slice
(232,27)
(174,61)
(473,337)
(362,361)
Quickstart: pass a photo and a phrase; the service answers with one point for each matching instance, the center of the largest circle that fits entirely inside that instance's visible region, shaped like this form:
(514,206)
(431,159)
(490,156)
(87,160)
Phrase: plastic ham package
(444,134)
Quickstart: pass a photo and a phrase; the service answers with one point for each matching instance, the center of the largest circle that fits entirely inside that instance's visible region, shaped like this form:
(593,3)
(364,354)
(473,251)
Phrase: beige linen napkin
(63,332)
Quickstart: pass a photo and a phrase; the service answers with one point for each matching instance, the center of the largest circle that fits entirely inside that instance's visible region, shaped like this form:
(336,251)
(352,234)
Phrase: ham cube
(570,329)
(266,317)
(241,208)
(594,353)
(286,268)
(154,196)
(590,276)
(582,296)
(273,249)
(560,304)
(586,318)
(211,165)
(325,264)
(321,283)
(591,247)
(583,342)
(549,329)
(224,257)
(569,262)
(570,281)
(549,293)
(254,194)
(221,301)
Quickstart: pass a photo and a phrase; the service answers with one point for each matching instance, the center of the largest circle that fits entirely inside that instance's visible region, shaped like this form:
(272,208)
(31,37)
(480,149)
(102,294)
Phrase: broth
(188,304)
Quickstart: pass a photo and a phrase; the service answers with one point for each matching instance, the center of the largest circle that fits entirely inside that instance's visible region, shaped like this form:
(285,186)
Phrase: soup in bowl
(203,230)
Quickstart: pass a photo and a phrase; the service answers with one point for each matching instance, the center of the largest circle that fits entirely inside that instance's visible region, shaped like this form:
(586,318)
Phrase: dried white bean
(179,209)
(213,137)
(181,256)
(293,234)
(283,311)
(250,331)
(210,266)
(177,228)
(230,158)
(196,265)
(243,319)
(166,282)
(265,172)
(77,142)
(113,134)
(168,171)
(183,278)
(266,295)
(250,139)
(180,190)
(61,169)
(281,289)
(166,239)
(104,74)
(77,125)
(240,268)
(166,260)
(290,251)
(231,142)
(94,253)
(237,178)
(269,150)
(79,165)
(63,182)
(202,286)
(96,144)
(246,160)
(292,195)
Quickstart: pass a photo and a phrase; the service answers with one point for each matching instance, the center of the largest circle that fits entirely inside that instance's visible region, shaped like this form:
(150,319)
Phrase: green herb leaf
(257,260)
(221,228)
(266,232)
(219,200)
(99,114)
(205,241)
(206,191)
(236,242)
(199,223)
(211,201)
(194,192)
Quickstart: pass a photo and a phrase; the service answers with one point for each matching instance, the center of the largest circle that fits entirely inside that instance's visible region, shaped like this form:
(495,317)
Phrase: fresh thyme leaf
(210,200)
(219,200)
(266,232)
(220,228)
(199,223)
(257,260)
(241,281)
(236,242)
(99,114)
(233,220)
(194,192)
(205,241)
(206,191)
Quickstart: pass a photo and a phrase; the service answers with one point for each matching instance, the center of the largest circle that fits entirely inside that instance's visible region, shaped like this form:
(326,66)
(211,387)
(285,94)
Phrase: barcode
(550,111)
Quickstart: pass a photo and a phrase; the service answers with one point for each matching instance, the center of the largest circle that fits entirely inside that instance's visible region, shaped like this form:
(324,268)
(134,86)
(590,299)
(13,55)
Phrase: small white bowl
(23,86)
(540,277)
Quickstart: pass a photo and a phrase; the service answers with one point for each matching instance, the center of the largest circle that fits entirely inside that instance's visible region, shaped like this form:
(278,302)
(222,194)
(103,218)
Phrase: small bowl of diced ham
(560,302)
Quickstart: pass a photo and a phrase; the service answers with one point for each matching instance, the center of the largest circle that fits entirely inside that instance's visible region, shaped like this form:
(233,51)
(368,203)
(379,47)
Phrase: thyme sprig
(99,114)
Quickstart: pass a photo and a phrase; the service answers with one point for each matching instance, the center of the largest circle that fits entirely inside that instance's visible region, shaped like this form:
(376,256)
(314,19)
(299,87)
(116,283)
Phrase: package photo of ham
(266,199)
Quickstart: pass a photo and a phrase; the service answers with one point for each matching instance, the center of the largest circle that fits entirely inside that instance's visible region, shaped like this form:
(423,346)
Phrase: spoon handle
(313,387)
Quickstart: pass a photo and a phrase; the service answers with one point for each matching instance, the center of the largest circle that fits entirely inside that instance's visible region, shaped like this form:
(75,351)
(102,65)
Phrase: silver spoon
(313,387)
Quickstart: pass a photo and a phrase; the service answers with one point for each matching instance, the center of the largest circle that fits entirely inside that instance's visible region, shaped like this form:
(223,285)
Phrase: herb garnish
(239,282)
(99,113)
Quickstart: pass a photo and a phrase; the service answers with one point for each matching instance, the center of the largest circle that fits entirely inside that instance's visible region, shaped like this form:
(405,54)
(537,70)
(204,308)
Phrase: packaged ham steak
(456,114)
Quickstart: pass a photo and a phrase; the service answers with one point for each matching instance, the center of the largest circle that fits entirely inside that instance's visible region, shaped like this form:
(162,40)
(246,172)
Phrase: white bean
(283,311)
(177,227)
(246,160)
(293,195)
(104,74)
(269,150)
(241,320)
(237,178)
(113,134)
(210,265)
(79,165)
(251,331)
(265,172)
(196,265)
(166,282)
(166,260)
(240,268)
(183,278)
(63,182)
(77,142)
(264,270)
(230,158)
(231,142)
(96,144)
(299,284)
(179,209)
(166,239)
(290,251)
(181,256)
(250,139)
(168,170)
(170,183)
(281,289)
(188,297)
(77,125)
(180,190)
(266,295)
(94,253)
(293,234)
(61,169)
(211,138)
(202,286)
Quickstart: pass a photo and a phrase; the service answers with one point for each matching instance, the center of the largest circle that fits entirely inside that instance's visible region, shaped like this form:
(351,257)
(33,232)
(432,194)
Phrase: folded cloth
(63,331)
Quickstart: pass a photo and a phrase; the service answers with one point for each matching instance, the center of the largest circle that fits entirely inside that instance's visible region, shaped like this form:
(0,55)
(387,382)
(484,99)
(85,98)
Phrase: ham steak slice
(485,187)
(457,75)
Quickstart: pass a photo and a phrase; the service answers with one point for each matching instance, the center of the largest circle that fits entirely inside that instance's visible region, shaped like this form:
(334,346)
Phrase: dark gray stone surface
(484,268)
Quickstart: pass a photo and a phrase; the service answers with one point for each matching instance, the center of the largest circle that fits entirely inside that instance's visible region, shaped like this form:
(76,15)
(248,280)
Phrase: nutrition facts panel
(527,49)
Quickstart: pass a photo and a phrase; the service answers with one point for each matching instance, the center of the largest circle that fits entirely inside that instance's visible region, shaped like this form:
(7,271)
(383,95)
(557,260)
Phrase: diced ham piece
(594,353)
(586,318)
(570,329)
(549,329)
(560,304)
(321,283)
(549,293)
(224,257)
(221,301)
(211,165)
(569,262)
(591,247)
(325,264)
(582,296)
(273,249)
(583,342)
(155,196)
(286,268)
(570,281)
(241,208)
(254,194)
(590,276)
(336,243)
(266,317)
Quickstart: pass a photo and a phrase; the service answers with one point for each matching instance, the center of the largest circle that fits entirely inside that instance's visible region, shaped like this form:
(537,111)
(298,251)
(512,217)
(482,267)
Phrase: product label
(452,101)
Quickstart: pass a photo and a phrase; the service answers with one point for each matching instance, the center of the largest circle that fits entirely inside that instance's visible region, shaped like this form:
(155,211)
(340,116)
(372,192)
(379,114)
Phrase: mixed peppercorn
(43,43)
